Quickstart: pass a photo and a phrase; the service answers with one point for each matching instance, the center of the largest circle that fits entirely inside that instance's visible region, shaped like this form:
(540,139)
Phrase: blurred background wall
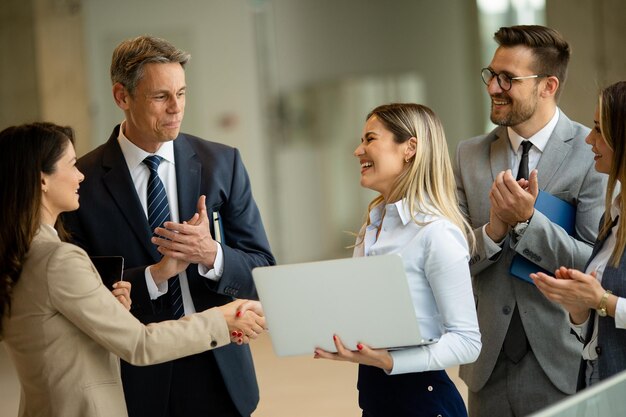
(289,82)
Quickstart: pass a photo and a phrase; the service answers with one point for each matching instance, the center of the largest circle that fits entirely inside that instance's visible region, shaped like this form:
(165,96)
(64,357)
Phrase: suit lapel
(556,151)
(119,183)
(188,177)
(499,157)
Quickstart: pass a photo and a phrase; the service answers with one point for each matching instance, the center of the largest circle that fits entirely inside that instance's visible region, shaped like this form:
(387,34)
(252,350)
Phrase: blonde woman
(403,155)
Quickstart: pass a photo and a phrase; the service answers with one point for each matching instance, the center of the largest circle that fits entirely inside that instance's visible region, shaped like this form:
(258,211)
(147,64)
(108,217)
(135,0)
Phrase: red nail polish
(334,337)
(359,346)
(238,314)
(239,334)
(233,334)
(240,341)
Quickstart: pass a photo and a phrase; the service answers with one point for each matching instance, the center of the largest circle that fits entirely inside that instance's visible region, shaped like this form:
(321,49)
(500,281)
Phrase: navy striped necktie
(159,213)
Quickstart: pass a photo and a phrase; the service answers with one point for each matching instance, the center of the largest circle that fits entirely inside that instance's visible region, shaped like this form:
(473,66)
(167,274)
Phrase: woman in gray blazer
(596,298)
(63,328)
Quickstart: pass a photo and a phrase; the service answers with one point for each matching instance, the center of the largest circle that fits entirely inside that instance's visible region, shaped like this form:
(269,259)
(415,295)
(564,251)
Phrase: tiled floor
(297,386)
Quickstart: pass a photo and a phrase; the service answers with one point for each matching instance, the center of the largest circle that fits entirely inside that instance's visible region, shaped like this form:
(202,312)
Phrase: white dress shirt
(140,174)
(435,256)
(539,141)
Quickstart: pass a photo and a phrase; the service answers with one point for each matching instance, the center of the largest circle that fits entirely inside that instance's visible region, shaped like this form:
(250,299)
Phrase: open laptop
(363,299)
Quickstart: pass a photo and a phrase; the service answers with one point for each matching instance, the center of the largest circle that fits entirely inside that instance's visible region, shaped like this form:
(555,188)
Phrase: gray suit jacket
(566,170)
(66,330)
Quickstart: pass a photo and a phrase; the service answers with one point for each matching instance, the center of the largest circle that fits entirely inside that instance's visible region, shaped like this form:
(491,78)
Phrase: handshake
(245,320)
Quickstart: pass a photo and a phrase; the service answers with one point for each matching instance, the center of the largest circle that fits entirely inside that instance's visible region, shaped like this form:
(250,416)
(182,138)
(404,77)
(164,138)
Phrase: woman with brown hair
(63,328)
(596,298)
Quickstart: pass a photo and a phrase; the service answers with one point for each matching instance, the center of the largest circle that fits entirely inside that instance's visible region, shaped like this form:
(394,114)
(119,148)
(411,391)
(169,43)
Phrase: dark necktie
(159,213)
(522,172)
(515,342)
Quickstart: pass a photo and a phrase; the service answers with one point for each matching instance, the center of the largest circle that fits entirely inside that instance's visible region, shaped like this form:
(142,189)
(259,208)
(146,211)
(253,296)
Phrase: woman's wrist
(579,317)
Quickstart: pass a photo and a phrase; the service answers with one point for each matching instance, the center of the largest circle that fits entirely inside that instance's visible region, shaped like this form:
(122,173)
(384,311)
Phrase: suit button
(506,310)
(213,343)
(526,251)
(598,350)
(538,258)
(430,388)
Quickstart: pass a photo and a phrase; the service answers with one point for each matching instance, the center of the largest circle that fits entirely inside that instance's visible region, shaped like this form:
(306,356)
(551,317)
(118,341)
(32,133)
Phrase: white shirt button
(430,388)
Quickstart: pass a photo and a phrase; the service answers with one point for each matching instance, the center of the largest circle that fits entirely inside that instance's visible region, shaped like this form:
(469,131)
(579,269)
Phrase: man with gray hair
(157,196)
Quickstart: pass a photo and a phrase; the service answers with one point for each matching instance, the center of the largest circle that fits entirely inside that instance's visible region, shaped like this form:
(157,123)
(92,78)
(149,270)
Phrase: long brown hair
(427,181)
(26,152)
(612,109)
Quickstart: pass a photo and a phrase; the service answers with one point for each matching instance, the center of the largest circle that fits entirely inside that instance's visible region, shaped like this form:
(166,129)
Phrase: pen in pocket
(217,229)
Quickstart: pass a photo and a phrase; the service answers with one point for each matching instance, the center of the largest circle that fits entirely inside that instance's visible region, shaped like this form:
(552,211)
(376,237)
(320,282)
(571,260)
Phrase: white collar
(401,209)
(539,139)
(134,155)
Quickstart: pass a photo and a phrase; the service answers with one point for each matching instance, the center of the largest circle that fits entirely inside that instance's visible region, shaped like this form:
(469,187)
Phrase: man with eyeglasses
(529,358)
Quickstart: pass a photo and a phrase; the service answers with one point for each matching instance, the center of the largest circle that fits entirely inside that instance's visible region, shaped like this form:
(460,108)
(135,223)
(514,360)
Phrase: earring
(407,159)
(45,190)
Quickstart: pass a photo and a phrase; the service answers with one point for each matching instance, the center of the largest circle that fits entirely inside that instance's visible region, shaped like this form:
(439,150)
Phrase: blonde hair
(612,110)
(427,182)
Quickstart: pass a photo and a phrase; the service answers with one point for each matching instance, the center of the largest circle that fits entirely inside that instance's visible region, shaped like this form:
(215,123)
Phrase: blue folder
(559,212)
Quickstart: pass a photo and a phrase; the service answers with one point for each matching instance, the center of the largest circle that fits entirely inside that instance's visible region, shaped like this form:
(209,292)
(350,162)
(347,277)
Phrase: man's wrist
(520,227)
(496,238)
(159,276)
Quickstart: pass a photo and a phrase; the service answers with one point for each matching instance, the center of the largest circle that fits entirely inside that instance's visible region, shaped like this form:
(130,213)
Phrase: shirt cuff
(620,313)
(408,360)
(491,248)
(154,290)
(218,266)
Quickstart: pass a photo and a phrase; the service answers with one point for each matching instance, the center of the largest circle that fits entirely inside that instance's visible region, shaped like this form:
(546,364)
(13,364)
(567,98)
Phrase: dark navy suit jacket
(111,221)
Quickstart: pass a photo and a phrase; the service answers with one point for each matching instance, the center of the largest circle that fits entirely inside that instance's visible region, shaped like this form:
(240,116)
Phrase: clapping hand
(513,201)
(169,265)
(189,241)
(577,292)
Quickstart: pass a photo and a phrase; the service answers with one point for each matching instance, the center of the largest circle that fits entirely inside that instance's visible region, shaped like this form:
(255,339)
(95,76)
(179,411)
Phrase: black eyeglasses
(504,81)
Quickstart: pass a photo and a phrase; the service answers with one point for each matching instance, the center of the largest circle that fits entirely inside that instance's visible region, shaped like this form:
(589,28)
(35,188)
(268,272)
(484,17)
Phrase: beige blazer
(66,331)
